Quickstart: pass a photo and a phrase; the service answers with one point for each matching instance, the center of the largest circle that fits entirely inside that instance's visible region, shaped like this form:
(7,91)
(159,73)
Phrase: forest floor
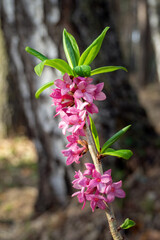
(18,191)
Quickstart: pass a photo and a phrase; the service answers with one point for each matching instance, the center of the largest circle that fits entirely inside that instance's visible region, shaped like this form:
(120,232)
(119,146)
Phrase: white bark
(39,113)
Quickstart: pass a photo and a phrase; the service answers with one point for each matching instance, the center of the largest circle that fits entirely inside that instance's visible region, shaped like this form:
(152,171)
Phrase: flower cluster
(96,188)
(73,99)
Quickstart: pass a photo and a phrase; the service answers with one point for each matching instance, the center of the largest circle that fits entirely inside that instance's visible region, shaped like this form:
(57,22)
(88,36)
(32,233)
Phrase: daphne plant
(74,95)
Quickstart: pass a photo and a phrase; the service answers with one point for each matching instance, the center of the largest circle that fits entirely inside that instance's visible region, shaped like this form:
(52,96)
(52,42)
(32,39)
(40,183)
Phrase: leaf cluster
(78,65)
(106,150)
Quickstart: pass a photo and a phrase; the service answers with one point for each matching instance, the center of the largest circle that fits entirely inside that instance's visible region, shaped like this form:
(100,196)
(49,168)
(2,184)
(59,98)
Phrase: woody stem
(109,210)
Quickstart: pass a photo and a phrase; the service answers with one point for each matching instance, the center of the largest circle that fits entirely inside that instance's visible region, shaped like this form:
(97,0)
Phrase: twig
(109,210)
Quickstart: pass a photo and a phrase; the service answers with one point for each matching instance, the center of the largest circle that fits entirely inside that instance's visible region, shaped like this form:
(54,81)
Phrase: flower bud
(83,70)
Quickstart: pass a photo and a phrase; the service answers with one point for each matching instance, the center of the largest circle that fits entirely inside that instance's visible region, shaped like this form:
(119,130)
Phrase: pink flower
(73,154)
(98,95)
(73,117)
(92,108)
(80,180)
(90,167)
(66,85)
(114,190)
(85,91)
(80,105)
(61,101)
(99,181)
(93,185)
(64,124)
(77,80)
(96,200)
(77,121)
(72,139)
(74,112)
(108,172)
(81,196)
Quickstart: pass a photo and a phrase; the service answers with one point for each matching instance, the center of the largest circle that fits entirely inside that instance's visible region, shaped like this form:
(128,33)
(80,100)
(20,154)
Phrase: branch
(109,210)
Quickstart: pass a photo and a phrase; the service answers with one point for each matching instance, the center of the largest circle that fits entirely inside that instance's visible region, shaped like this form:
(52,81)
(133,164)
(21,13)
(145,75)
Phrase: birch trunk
(26,23)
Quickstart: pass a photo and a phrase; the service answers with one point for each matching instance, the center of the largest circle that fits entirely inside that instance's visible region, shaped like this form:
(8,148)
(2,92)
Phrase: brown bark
(122,106)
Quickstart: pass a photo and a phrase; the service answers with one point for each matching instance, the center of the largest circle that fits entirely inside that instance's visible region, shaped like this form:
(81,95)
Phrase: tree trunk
(39,24)
(122,106)
(4,110)
(153,9)
(27,23)
(145,43)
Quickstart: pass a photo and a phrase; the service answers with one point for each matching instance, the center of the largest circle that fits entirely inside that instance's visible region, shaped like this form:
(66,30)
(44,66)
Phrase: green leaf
(94,134)
(39,68)
(71,49)
(122,153)
(114,138)
(107,69)
(59,64)
(35,53)
(127,224)
(42,88)
(91,52)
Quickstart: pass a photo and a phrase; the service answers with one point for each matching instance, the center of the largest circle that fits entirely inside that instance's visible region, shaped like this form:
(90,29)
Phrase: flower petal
(101,204)
(110,197)
(100,96)
(120,193)
(90,88)
(67,79)
(92,108)
(88,97)
(101,187)
(59,83)
(96,174)
(78,94)
(117,184)
(99,87)
(93,205)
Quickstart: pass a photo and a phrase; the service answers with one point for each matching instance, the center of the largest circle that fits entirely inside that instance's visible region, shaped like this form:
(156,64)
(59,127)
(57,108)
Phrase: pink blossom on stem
(96,200)
(96,188)
(81,196)
(92,108)
(73,117)
(61,101)
(90,167)
(79,122)
(72,139)
(98,94)
(66,85)
(73,98)
(114,190)
(73,154)
(80,105)
(85,91)
(77,80)
(99,181)
(80,180)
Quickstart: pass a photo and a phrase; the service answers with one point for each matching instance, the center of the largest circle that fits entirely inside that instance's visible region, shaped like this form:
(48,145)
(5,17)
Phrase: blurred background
(35,184)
